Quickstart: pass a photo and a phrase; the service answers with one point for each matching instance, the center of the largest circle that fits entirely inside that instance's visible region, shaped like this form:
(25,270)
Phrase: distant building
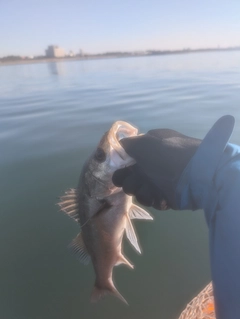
(71,53)
(54,51)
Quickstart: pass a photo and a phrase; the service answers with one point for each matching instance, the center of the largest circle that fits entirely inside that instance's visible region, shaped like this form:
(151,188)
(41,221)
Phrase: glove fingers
(145,195)
(120,175)
(145,149)
(129,179)
(131,184)
(160,203)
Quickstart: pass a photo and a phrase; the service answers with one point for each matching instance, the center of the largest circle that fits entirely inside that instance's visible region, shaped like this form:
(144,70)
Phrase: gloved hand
(161,156)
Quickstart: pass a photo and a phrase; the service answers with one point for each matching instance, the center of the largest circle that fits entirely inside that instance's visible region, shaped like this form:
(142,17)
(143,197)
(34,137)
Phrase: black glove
(161,156)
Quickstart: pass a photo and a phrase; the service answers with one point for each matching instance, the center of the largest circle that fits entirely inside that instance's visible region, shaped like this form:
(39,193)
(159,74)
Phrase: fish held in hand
(104,211)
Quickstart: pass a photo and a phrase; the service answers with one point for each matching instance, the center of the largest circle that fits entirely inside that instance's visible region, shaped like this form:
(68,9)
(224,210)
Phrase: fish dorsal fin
(136,212)
(130,232)
(69,204)
(78,248)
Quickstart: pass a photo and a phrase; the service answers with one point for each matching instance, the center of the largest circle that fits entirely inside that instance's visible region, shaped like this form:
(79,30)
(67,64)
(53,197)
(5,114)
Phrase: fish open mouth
(118,131)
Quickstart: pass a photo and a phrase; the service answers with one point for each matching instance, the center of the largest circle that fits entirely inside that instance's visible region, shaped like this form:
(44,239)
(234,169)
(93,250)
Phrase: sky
(27,27)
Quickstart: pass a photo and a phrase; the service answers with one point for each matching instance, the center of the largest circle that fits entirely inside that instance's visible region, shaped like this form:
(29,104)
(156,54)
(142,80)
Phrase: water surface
(51,118)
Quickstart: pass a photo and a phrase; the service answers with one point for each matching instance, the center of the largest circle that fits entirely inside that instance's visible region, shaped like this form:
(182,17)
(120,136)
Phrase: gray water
(51,118)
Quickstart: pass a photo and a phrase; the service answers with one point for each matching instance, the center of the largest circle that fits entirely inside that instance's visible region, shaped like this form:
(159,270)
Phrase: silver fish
(104,211)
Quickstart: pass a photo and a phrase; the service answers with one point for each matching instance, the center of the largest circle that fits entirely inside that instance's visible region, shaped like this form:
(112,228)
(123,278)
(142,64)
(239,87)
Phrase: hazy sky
(27,27)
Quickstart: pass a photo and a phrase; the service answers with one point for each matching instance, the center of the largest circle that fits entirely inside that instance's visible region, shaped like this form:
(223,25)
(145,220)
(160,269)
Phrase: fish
(103,211)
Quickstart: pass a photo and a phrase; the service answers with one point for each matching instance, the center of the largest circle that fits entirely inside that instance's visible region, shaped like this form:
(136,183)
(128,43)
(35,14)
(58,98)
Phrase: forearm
(220,199)
(224,237)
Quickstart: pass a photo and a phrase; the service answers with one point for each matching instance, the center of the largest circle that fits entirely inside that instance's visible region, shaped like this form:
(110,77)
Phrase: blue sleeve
(224,229)
(211,181)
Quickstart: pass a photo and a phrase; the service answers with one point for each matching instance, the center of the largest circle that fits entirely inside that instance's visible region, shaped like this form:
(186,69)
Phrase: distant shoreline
(48,60)
(113,56)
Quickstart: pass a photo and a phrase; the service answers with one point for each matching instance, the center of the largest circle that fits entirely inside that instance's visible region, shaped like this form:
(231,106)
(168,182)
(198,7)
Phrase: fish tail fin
(99,292)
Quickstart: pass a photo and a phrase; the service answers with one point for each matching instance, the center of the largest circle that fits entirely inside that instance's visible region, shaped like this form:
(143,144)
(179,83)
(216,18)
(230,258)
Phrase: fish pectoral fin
(131,235)
(78,248)
(136,212)
(123,260)
(99,292)
(69,204)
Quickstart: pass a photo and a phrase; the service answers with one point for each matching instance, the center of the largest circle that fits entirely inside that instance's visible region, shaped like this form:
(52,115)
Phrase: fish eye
(100,155)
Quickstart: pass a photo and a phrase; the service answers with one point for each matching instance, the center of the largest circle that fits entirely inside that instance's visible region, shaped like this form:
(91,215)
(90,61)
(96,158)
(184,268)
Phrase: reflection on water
(56,68)
(48,127)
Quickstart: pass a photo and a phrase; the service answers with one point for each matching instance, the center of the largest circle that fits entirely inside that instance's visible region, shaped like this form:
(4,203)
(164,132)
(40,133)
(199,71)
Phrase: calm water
(51,117)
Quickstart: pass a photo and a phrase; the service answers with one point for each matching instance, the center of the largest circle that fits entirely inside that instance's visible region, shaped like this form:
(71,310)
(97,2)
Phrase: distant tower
(53,51)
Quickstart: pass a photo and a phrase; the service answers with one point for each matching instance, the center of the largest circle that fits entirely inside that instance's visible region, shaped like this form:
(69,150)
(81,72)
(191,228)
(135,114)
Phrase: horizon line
(186,49)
